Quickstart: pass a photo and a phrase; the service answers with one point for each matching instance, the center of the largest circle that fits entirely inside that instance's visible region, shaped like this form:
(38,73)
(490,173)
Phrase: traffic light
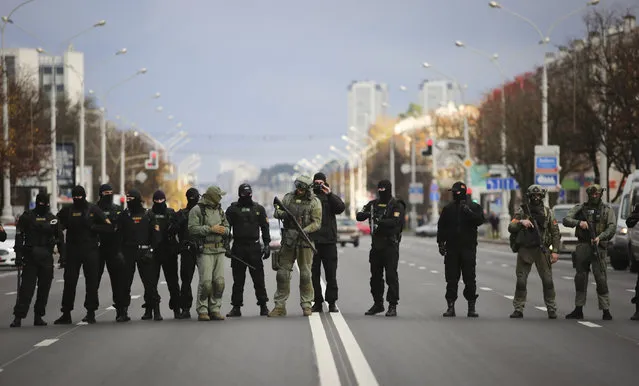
(428,150)
(153,162)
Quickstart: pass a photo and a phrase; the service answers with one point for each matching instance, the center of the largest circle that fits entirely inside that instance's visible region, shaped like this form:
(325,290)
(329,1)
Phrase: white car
(7,254)
(276,234)
(568,239)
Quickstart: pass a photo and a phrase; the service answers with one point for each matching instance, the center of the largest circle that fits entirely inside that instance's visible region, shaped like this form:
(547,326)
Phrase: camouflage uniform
(602,217)
(530,251)
(307,209)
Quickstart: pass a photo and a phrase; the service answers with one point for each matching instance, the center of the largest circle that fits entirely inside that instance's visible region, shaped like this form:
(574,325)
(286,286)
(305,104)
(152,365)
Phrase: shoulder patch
(156,227)
(396,214)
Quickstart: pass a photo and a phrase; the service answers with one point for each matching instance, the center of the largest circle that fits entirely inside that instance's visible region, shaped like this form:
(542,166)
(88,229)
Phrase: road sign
(416,193)
(434,196)
(497,183)
(405,168)
(547,167)
(468,163)
(434,187)
(153,162)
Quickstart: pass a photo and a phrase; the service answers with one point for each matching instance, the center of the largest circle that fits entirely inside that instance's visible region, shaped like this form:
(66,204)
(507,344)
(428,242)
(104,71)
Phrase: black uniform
(139,235)
(3,234)
(247,218)
(165,256)
(37,232)
(82,221)
(326,244)
(188,253)
(109,252)
(631,222)
(386,217)
(457,240)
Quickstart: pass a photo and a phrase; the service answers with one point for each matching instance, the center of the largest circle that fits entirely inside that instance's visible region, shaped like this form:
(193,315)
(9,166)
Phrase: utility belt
(245,241)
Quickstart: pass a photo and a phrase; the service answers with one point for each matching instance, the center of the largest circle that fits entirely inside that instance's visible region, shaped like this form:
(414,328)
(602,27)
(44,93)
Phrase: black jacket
(457,227)
(332,205)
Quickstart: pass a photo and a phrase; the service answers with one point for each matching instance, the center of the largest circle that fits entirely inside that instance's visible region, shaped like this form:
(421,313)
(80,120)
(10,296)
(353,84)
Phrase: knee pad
(602,289)
(207,287)
(218,287)
(283,276)
(305,278)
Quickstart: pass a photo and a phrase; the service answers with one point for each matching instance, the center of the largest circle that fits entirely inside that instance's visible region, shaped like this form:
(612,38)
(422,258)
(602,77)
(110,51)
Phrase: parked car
(427,230)
(276,234)
(347,231)
(624,247)
(364,228)
(633,233)
(568,242)
(7,254)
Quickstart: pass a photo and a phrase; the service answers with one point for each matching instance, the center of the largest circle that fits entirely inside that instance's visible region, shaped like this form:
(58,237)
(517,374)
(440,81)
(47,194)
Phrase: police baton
(232,256)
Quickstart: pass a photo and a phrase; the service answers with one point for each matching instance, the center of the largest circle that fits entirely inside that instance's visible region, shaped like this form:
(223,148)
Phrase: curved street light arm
(527,20)
(566,16)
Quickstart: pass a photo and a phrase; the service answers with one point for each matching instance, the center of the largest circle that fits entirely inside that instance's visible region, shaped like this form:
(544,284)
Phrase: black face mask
(41,209)
(245,200)
(159,207)
(535,200)
(79,202)
(134,204)
(106,201)
(190,203)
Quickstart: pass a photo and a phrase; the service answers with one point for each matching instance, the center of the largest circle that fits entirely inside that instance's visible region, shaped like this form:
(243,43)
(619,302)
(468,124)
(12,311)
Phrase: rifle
(593,236)
(279,203)
(372,219)
(228,253)
(542,246)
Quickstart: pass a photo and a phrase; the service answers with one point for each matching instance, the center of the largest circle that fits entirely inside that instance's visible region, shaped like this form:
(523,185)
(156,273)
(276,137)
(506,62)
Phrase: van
(621,253)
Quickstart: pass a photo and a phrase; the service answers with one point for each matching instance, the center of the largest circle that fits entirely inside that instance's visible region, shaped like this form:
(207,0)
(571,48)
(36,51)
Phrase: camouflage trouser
(287,257)
(526,257)
(210,266)
(585,261)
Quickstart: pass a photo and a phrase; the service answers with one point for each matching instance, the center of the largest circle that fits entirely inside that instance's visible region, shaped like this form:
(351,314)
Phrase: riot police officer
(83,221)
(139,235)
(36,234)
(386,218)
(247,218)
(457,241)
(165,256)
(109,253)
(188,253)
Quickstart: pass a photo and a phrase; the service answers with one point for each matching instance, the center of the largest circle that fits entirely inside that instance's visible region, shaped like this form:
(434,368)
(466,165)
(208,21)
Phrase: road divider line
(326,366)
(60,281)
(11,293)
(135,296)
(566,277)
(411,264)
(422,267)
(631,290)
(504,265)
(433,271)
(402,261)
(163,282)
(110,308)
(541,308)
(485,289)
(509,297)
(589,324)
(489,262)
(45,343)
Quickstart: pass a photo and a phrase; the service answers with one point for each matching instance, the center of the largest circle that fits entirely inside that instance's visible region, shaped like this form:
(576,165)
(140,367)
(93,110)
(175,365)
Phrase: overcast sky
(229,70)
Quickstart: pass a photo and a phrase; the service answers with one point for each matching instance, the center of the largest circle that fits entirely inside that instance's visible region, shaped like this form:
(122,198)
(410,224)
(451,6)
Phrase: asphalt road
(418,347)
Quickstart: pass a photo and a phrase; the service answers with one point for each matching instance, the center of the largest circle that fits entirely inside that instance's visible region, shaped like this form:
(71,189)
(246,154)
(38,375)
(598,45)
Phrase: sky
(265,82)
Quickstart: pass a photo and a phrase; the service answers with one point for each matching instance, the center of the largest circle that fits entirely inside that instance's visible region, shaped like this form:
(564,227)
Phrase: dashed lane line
(45,343)
(485,289)
(589,324)
(434,271)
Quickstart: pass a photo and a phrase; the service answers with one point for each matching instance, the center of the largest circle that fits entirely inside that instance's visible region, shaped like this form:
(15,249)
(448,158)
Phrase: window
(46,88)
(59,70)
(11,66)
(59,88)
(47,70)
(624,207)
(560,213)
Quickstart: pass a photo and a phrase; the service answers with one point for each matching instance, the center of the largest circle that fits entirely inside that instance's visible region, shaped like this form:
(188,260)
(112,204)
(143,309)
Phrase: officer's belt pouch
(289,238)
(275,260)
(146,255)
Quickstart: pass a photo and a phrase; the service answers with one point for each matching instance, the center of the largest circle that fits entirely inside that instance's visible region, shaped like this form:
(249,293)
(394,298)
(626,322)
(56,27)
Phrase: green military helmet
(594,193)
(303,182)
(536,189)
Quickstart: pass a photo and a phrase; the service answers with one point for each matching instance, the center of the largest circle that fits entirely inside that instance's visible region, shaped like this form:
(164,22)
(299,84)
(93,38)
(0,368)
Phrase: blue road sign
(547,179)
(496,183)
(434,187)
(546,164)
(434,196)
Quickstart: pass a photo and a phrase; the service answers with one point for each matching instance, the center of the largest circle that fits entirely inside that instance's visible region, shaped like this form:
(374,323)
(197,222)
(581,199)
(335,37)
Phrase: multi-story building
(43,71)
(367,100)
(434,94)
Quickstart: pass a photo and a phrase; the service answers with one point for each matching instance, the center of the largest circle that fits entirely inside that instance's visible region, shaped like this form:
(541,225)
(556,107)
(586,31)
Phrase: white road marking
(11,293)
(422,267)
(326,366)
(589,324)
(135,296)
(60,281)
(485,289)
(593,283)
(110,308)
(45,343)
(567,277)
(504,265)
(489,262)
(81,324)
(509,297)
(411,264)
(402,261)
(5,275)
(542,308)
(163,282)
(433,271)
(631,290)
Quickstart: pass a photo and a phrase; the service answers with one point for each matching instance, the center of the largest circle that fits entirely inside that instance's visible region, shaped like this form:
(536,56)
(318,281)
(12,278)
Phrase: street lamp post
(504,216)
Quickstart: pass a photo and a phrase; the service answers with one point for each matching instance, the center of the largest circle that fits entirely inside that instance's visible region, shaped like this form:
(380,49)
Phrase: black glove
(442,249)
(466,209)
(61,262)
(266,252)
(19,262)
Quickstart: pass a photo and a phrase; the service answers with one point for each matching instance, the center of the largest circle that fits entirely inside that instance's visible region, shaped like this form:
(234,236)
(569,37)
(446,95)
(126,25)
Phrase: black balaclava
(159,207)
(42,204)
(459,191)
(78,191)
(245,193)
(134,201)
(321,177)
(384,191)
(106,200)
(192,198)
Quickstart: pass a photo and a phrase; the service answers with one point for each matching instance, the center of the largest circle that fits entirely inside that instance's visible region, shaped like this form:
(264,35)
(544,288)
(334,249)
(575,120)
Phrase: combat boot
(156,313)
(263,310)
(124,316)
(38,321)
(148,313)
(306,311)
(577,313)
(317,307)
(17,322)
(472,313)
(332,307)
(117,313)
(235,311)
(186,314)
(636,315)
(216,316)
(64,319)
(203,317)
(517,314)
(606,315)
(375,309)
(277,311)
(392,310)
(89,317)
(450,312)
(177,314)
(552,314)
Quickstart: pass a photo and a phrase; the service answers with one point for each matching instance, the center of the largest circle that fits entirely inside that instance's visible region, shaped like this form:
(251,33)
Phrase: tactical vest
(42,232)
(246,224)
(300,208)
(528,238)
(164,220)
(594,215)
